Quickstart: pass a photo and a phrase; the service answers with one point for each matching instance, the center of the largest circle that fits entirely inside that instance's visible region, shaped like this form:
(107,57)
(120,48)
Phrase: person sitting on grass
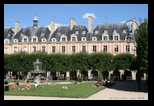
(14,85)
(37,85)
(28,85)
(97,84)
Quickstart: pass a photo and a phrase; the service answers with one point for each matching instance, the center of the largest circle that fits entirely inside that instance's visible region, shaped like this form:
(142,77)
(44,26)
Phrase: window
(105,48)
(15,40)
(83,32)
(83,48)
(105,31)
(25,39)
(73,49)
(73,38)
(53,49)
(34,49)
(63,49)
(5,50)
(96,31)
(94,39)
(63,39)
(116,48)
(104,37)
(6,41)
(127,48)
(83,39)
(24,49)
(34,39)
(94,48)
(115,37)
(77,32)
(43,48)
(15,49)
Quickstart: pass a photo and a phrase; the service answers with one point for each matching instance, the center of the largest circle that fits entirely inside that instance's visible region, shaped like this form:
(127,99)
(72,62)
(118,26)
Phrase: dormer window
(63,39)
(25,39)
(83,32)
(83,39)
(94,39)
(104,37)
(43,33)
(6,41)
(105,31)
(53,39)
(73,38)
(115,37)
(34,39)
(15,40)
(96,31)
(77,32)
(43,40)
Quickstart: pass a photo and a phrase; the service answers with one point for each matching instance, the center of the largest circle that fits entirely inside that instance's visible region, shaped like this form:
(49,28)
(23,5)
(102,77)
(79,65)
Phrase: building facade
(68,39)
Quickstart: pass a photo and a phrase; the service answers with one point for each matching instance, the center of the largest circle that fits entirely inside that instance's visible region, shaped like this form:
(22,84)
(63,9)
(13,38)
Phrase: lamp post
(129,37)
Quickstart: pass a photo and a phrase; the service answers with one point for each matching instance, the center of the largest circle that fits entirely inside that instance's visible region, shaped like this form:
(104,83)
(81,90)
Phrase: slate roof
(30,31)
(110,28)
(8,33)
(66,30)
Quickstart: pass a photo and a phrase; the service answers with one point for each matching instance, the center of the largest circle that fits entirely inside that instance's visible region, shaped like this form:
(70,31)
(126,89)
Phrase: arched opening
(84,74)
(94,74)
(116,75)
(127,75)
(73,75)
(53,76)
(105,75)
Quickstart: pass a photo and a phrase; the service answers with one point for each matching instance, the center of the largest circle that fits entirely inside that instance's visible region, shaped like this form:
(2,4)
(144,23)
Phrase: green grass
(81,90)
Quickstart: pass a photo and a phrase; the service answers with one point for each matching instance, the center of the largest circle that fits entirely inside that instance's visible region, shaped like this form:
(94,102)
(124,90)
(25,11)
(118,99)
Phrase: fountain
(37,71)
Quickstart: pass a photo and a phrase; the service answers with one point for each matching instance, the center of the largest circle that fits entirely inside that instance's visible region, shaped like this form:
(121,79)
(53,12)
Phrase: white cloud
(88,14)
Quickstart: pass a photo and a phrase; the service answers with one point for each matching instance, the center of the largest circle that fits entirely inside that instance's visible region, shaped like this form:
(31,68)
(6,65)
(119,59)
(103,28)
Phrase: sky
(61,13)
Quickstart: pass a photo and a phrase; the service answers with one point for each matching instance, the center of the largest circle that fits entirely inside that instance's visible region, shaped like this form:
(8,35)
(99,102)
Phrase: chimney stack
(17,27)
(52,26)
(133,25)
(72,23)
(90,24)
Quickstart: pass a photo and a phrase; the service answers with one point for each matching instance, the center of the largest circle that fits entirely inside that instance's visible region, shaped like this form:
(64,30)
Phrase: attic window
(96,31)
(77,32)
(114,31)
(83,32)
(43,32)
(105,31)
(6,41)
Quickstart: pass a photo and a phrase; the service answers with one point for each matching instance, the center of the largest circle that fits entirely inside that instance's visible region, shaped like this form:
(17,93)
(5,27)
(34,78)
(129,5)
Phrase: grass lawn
(81,90)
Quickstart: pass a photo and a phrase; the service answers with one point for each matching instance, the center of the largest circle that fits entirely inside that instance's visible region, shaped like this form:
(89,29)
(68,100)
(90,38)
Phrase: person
(14,85)
(106,82)
(97,84)
(101,83)
(28,85)
(37,85)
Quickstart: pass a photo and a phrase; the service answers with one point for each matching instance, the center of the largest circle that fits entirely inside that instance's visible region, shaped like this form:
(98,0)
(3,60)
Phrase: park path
(126,90)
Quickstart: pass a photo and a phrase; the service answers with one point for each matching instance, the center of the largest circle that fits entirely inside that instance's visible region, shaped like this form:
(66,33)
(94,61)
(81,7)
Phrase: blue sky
(61,13)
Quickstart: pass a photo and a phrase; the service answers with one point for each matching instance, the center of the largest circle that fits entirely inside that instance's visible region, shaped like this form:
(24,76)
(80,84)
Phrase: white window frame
(116,48)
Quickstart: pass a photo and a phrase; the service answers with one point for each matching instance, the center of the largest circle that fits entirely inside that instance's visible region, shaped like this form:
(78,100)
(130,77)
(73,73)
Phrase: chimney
(133,25)
(90,23)
(17,27)
(52,26)
(72,23)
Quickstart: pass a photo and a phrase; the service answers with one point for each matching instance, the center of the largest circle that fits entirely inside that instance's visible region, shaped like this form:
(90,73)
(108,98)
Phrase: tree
(142,50)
